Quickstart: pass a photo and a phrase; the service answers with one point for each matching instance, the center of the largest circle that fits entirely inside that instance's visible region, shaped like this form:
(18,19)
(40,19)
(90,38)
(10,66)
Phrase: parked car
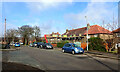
(12,44)
(17,44)
(73,48)
(4,46)
(35,44)
(21,43)
(31,45)
(48,46)
(40,45)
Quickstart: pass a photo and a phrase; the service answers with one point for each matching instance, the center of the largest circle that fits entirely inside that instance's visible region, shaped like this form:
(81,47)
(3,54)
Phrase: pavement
(100,54)
(54,59)
(11,49)
(103,54)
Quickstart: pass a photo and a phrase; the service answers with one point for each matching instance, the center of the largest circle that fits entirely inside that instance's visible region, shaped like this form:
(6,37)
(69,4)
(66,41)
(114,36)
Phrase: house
(116,39)
(54,37)
(80,34)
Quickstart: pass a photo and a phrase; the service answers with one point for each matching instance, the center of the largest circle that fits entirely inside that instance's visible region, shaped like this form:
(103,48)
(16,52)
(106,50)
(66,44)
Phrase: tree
(109,41)
(36,32)
(11,34)
(25,31)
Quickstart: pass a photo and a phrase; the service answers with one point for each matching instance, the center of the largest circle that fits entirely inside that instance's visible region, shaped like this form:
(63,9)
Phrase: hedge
(96,43)
(61,44)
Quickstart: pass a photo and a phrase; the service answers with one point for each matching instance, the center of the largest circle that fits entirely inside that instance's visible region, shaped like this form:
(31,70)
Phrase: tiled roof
(53,34)
(116,31)
(94,29)
(76,31)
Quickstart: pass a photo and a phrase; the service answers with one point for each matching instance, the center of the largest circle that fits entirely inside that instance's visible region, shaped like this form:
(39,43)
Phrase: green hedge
(61,44)
(96,43)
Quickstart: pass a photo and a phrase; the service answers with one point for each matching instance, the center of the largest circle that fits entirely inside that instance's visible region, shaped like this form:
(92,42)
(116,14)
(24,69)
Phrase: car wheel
(73,52)
(63,51)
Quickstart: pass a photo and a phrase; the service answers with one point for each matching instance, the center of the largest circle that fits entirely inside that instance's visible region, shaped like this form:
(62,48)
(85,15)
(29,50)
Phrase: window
(88,36)
(95,35)
(67,45)
(74,45)
(118,34)
(118,44)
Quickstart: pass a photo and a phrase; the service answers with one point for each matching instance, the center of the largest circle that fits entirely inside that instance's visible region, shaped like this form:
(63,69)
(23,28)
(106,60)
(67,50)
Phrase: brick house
(116,39)
(80,34)
(54,37)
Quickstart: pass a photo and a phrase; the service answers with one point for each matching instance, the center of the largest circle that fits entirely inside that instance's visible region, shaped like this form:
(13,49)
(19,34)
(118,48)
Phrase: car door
(69,47)
(65,47)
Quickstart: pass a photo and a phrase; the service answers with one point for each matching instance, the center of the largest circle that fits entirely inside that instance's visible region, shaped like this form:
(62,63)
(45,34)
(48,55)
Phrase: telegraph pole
(5,31)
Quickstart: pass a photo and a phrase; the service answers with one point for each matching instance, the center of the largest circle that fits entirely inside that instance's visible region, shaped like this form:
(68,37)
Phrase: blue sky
(58,16)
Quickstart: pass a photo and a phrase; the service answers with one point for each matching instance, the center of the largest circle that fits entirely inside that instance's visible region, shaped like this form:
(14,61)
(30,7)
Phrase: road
(47,59)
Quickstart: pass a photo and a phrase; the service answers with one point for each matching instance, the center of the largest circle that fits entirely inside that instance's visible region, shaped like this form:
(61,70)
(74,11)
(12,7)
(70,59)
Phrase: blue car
(17,44)
(73,48)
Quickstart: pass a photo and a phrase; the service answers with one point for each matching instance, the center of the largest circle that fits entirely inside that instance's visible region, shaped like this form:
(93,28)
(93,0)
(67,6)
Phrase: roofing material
(94,29)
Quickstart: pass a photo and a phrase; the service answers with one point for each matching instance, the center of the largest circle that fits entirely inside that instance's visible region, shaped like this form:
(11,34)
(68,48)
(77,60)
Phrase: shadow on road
(10,66)
(82,57)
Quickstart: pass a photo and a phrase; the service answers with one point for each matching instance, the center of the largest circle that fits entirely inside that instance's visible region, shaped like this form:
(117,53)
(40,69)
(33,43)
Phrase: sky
(57,16)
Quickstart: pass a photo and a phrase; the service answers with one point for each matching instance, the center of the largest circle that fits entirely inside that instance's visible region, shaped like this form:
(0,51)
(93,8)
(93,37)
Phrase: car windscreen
(48,44)
(74,45)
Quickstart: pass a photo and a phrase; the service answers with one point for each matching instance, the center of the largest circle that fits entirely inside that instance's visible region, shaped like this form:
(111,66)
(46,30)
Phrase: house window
(95,35)
(118,44)
(88,36)
(118,34)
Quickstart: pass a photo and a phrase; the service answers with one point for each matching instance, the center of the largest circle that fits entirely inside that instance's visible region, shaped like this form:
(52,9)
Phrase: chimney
(88,26)
(67,30)
(52,32)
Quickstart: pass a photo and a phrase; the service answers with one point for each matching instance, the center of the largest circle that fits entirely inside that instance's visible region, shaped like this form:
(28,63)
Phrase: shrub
(61,44)
(96,43)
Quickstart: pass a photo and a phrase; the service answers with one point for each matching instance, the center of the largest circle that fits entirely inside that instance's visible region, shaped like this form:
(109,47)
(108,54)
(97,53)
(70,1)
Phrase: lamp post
(5,32)
(88,27)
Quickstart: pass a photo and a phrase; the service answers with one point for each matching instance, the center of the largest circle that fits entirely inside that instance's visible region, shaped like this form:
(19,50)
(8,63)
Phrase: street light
(88,27)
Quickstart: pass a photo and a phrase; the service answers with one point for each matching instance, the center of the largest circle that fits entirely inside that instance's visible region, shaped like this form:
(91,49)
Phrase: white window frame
(96,35)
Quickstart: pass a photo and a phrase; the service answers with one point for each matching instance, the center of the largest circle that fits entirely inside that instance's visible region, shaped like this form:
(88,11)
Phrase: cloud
(96,12)
(60,0)
(44,5)
(104,0)
(46,27)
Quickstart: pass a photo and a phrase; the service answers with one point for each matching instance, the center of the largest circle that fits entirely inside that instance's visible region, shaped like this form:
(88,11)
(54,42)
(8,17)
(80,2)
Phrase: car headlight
(48,46)
(76,49)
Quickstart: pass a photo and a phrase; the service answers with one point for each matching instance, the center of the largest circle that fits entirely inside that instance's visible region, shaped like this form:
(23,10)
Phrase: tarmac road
(53,59)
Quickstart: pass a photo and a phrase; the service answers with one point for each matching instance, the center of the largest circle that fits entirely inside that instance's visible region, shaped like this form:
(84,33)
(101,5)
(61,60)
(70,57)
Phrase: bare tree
(11,34)
(25,31)
(110,26)
(37,32)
